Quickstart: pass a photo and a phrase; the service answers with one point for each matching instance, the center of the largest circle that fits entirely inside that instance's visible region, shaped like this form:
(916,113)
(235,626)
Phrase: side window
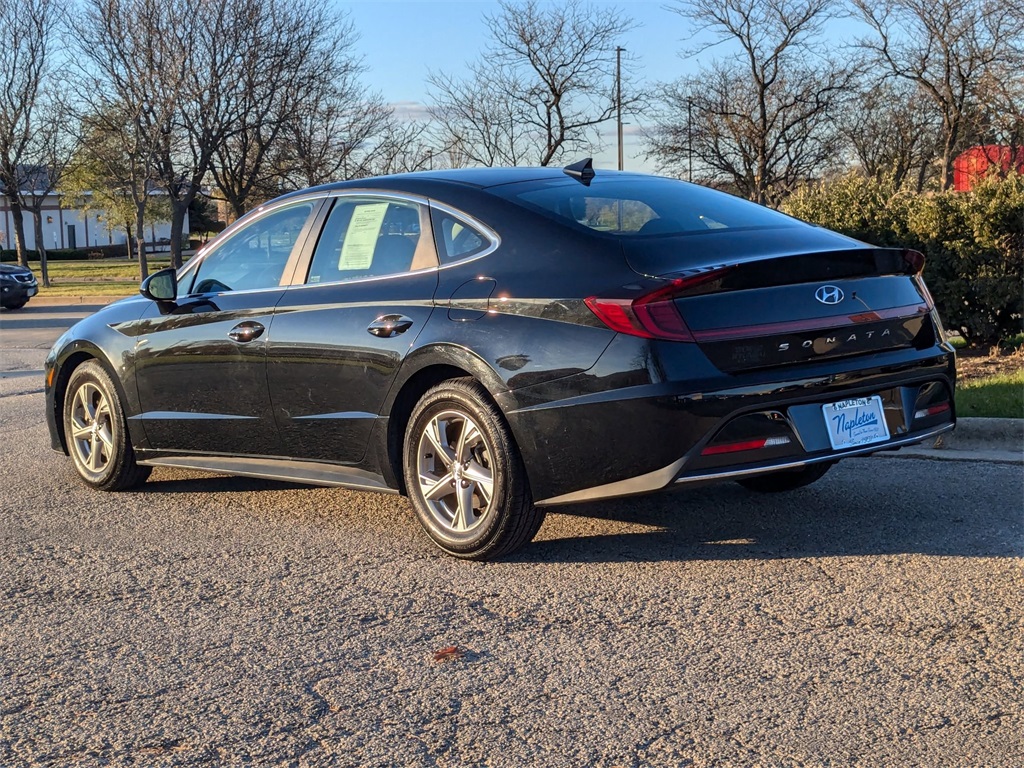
(456,239)
(255,256)
(372,237)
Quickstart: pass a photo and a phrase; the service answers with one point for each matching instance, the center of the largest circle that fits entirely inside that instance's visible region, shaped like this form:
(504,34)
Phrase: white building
(69,227)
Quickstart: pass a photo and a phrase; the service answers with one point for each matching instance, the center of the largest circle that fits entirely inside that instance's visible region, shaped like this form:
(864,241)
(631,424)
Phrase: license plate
(32,291)
(855,422)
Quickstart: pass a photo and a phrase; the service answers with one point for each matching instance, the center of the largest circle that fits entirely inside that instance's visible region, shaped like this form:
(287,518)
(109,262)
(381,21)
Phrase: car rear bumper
(649,437)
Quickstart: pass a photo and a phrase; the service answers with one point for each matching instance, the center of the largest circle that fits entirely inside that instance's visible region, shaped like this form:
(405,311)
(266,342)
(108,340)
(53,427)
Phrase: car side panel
(328,374)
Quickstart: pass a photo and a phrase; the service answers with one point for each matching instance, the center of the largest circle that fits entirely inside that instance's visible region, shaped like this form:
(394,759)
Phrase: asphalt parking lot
(871,619)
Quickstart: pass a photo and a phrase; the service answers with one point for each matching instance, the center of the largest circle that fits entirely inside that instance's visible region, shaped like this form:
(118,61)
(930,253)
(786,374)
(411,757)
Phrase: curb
(975,439)
(53,301)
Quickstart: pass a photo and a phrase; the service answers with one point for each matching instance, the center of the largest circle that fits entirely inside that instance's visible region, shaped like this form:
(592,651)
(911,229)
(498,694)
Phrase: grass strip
(998,396)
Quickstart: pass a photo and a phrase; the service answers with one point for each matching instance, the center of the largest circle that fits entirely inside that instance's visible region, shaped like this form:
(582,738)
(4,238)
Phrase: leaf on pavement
(451,653)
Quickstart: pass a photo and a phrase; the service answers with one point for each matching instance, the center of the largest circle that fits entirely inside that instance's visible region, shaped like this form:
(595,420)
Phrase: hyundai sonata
(496,342)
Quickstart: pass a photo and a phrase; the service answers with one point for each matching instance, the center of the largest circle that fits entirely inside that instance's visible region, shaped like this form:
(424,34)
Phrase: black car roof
(480,178)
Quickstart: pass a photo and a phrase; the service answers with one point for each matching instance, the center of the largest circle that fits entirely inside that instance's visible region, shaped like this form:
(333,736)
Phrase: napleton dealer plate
(855,422)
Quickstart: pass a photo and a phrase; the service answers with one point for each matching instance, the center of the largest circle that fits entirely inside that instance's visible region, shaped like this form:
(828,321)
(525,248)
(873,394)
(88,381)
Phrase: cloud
(410,110)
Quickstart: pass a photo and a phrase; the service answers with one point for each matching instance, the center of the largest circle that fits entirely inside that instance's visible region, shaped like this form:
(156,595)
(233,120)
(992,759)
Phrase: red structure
(973,164)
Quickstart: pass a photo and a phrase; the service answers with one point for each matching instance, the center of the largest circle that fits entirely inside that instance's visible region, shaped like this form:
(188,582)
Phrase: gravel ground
(872,619)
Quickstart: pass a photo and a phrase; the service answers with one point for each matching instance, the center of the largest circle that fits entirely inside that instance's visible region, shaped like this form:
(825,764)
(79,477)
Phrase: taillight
(746,445)
(652,315)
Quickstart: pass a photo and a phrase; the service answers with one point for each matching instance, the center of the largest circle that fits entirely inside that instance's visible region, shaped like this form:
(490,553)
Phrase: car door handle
(246,331)
(387,326)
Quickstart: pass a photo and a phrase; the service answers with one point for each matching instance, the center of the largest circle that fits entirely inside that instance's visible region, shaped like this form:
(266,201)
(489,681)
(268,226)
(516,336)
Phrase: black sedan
(17,286)
(494,342)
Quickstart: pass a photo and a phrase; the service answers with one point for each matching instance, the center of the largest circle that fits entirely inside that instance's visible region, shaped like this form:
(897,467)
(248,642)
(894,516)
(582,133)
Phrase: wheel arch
(69,363)
(426,368)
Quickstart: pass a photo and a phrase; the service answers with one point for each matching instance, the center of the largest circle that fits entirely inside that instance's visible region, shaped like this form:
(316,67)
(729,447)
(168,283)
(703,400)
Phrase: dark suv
(17,286)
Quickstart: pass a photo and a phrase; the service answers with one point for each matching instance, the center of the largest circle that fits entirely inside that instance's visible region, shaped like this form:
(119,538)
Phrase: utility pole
(618,97)
(689,139)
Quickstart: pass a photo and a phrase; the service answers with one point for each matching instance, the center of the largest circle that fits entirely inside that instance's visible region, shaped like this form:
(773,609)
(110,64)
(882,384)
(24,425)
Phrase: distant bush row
(973,241)
(72,254)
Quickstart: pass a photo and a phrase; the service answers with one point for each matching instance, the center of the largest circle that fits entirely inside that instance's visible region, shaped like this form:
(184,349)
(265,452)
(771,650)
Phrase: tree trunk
(140,239)
(952,125)
(19,230)
(178,210)
(37,220)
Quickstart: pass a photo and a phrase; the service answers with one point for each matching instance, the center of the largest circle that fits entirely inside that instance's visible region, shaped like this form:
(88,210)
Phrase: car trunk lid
(761,301)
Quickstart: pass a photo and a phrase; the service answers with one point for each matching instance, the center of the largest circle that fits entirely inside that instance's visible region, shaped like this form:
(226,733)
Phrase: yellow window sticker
(361,238)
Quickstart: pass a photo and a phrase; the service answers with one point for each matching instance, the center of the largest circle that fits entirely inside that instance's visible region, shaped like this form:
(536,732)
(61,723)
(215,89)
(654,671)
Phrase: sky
(402,40)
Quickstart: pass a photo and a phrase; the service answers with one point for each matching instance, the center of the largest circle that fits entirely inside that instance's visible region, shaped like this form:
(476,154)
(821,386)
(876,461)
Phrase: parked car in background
(496,342)
(17,286)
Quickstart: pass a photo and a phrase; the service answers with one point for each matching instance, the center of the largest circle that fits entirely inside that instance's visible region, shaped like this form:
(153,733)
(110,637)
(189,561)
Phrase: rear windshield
(641,206)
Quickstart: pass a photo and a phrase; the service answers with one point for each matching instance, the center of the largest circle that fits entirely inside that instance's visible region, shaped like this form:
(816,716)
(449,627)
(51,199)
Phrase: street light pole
(689,139)
(618,97)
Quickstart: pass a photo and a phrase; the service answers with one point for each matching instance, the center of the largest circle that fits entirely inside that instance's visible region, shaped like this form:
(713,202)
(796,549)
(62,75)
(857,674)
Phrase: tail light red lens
(653,315)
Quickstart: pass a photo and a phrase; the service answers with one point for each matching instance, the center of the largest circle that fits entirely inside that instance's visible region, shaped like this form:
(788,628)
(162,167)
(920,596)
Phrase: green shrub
(866,209)
(72,254)
(973,241)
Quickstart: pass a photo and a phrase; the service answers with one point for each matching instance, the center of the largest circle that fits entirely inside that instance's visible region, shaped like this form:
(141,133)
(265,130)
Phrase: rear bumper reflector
(932,411)
(747,445)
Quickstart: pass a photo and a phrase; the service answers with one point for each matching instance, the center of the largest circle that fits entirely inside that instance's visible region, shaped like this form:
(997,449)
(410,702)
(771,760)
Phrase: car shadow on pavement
(193,482)
(862,507)
(848,513)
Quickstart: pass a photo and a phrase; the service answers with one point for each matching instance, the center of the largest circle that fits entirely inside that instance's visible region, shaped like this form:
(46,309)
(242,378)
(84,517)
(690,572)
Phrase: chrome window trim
(193,264)
(492,237)
(475,223)
(365,192)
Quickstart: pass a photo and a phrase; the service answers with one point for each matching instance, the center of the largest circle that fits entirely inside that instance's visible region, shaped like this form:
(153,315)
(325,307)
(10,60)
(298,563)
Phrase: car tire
(787,479)
(97,433)
(19,305)
(465,475)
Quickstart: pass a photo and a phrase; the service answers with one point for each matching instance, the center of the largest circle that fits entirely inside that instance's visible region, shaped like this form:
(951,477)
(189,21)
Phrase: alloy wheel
(455,472)
(92,429)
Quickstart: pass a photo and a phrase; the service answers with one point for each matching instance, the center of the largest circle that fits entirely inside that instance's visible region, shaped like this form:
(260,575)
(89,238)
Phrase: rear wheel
(465,475)
(96,431)
(786,480)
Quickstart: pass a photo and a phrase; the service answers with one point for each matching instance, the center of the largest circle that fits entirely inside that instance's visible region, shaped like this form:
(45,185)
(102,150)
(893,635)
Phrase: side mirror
(161,286)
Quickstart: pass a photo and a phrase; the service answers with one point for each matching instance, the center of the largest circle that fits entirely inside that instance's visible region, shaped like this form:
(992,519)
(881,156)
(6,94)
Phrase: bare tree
(305,52)
(946,47)
(540,91)
(891,129)
(51,150)
(999,112)
(758,121)
(106,176)
(478,119)
(402,147)
(336,137)
(209,39)
(27,28)
(135,85)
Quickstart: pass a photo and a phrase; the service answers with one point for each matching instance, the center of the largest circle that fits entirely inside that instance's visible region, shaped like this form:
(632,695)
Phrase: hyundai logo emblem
(829,294)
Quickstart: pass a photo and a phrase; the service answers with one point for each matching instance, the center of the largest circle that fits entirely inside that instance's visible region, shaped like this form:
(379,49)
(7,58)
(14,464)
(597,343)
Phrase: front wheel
(97,433)
(787,479)
(465,476)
